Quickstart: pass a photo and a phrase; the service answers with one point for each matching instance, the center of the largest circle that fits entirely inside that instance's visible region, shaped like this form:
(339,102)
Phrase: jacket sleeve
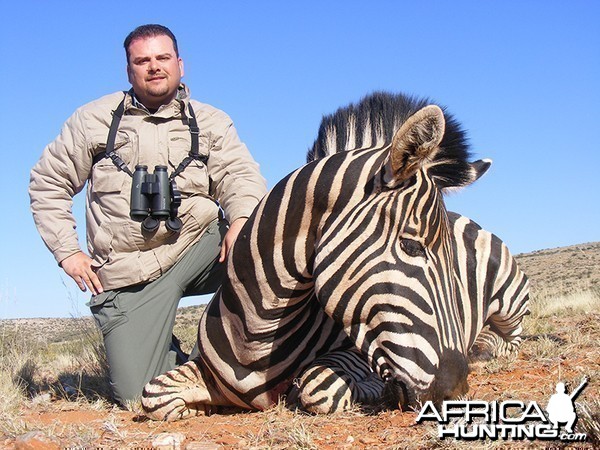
(60,173)
(236,179)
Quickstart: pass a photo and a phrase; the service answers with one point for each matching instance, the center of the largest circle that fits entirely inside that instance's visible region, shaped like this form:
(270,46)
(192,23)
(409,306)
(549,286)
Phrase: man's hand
(230,237)
(79,267)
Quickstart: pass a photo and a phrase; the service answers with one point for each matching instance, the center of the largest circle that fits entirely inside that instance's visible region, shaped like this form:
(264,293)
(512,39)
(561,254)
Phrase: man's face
(154,70)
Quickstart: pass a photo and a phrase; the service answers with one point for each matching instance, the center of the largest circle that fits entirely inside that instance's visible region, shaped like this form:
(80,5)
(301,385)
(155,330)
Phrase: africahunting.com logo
(510,419)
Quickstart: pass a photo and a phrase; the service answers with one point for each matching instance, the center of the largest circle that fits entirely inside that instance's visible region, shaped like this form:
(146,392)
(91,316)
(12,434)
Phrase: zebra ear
(479,168)
(416,141)
(471,172)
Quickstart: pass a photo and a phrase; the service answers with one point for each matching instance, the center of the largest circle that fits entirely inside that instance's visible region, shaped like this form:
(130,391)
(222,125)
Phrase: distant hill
(563,270)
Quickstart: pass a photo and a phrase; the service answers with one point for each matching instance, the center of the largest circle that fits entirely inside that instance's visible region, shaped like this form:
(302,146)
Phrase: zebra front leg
(336,382)
(489,344)
(182,392)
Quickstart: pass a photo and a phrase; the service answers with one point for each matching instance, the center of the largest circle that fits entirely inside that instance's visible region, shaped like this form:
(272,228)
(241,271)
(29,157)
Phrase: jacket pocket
(106,177)
(194,178)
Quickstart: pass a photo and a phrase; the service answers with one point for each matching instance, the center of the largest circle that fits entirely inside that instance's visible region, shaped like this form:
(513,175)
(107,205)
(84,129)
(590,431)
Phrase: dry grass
(16,365)
(282,428)
(38,371)
(186,326)
(545,303)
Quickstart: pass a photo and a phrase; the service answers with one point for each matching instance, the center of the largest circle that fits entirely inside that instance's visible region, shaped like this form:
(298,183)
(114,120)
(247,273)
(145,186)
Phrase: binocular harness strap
(194,150)
(110,141)
(194,153)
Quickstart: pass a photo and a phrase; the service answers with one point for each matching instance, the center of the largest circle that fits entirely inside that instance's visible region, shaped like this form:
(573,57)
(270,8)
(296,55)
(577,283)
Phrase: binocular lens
(139,204)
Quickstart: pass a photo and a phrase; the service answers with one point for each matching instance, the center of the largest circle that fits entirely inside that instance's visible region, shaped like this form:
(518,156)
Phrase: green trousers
(137,321)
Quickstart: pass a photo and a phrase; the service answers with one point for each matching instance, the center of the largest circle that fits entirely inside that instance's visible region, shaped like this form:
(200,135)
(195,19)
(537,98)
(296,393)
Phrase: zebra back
(495,290)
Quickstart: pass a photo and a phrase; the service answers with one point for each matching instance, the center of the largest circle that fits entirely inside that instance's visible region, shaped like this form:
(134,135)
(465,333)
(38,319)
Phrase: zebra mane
(373,122)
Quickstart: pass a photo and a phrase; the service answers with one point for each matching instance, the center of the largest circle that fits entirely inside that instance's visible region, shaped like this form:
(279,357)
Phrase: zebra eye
(412,248)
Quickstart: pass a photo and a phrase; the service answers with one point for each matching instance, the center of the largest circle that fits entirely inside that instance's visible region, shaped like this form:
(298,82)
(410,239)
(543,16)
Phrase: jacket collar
(171,109)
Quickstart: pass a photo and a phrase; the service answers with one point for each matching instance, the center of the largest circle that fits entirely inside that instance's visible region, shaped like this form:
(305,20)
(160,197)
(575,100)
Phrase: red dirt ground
(280,428)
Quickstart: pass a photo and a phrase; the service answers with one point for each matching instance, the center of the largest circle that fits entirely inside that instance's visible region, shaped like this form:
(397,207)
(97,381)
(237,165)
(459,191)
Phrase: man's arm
(237,182)
(60,173)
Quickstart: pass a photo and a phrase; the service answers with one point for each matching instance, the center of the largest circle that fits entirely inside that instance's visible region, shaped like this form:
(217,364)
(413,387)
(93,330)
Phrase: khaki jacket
(122,253)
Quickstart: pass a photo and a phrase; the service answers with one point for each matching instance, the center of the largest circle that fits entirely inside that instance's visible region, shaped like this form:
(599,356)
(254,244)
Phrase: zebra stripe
(337,382)
(350,266)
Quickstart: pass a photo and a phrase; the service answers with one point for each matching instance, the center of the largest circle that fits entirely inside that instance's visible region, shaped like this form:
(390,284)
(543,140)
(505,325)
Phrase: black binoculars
(154,197)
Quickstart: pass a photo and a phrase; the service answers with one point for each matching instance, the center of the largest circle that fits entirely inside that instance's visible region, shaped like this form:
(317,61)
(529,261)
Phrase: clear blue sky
(522,76)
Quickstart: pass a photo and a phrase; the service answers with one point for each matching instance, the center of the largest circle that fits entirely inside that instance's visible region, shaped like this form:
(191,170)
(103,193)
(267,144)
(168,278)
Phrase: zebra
(351,272)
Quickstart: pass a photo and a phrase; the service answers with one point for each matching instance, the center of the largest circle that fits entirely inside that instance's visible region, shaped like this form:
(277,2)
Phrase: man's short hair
(147,31)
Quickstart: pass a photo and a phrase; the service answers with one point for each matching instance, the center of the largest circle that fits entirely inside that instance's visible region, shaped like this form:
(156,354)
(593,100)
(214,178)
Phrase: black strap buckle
(120,163)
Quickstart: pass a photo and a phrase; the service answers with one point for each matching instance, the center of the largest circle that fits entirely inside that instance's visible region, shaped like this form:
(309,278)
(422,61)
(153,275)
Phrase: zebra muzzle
(395,394)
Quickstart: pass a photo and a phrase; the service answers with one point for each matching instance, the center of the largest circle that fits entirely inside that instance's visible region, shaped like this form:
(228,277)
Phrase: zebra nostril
(386,376)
